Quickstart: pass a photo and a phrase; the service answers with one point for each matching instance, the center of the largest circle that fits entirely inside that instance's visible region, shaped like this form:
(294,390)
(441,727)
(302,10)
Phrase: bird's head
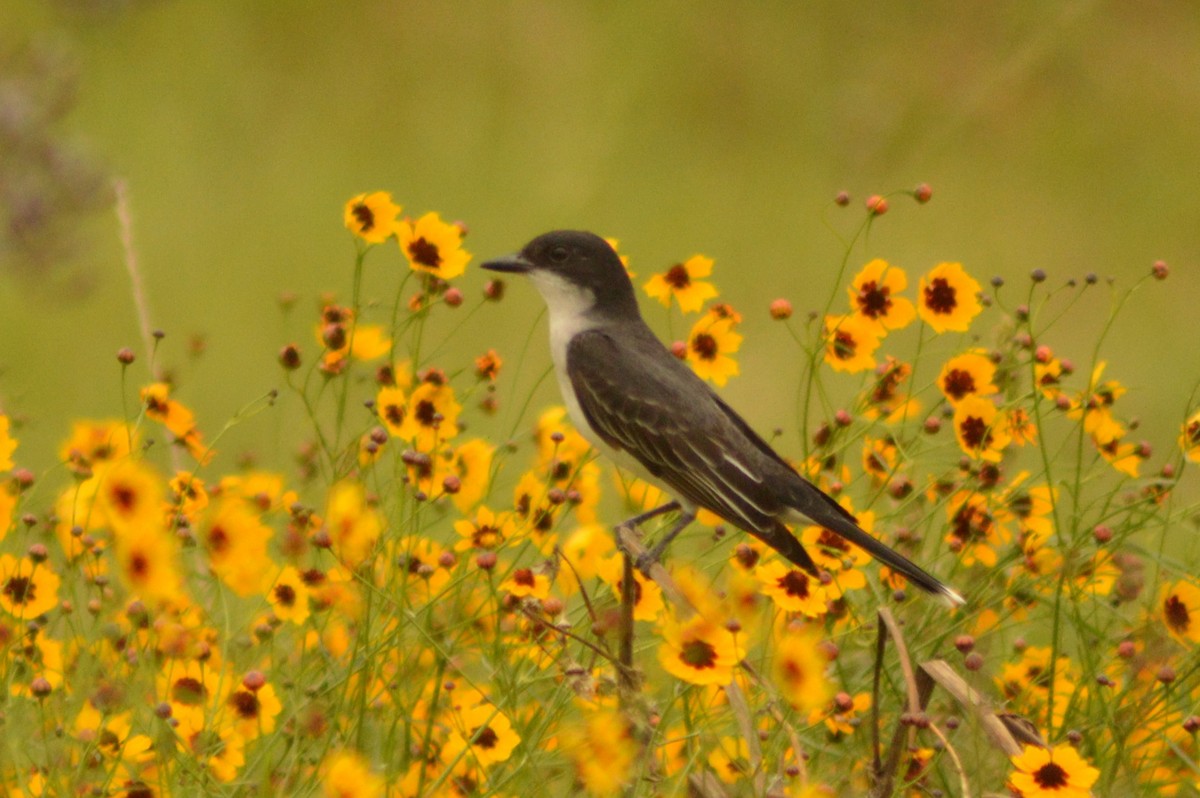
(576,268)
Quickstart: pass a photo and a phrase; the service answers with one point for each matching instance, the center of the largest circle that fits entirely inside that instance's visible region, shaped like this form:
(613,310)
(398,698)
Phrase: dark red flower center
(940,296)
(1178,616)
(188,690)
(677,277)
(844,345)
(975,432)
(958,383)
(699,654)
(425,413)
(20,590)
(1051,776)
(364,216)
(425,253)
(794,583)
(874,300)
(286,595)
(245,704)
(705,346)
(486,739)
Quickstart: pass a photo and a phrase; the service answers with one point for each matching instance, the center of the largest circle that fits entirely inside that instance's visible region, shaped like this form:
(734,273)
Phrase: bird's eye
(559,254)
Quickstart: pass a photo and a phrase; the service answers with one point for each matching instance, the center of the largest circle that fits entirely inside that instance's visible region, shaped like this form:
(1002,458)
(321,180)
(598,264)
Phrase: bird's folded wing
(660,413)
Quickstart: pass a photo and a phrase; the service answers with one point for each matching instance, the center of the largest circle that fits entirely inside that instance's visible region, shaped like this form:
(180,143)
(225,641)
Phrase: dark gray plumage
(646,409)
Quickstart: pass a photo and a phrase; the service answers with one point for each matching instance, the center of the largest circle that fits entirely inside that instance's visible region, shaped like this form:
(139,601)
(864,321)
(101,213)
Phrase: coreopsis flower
(218,748)
(419,559)
(884,397)
(647,595)
(148,565)
(603,751)
(976,530)
(874,295)
(485,531)
(527,582)
(850,343)
(354,527)
(841,559)
(112,734)
(730,759)
(178,419)
(254,710)
(8,444)
(1047,376)
(129,496)
(981,429)
(699,650)
(1179,608)
(1020,426)
(1058,772)
(192,688)
(1096,408)
(433,246)
(372,217)
(392,408)
(487,365)
(710,346)
(1120,454)
(798,671)
(471,462)
(485,733)
(432,416)
(187,494)
(792,589)
(969,374)
(682,281)
(1033,510)
(948,298)
(236,540)
(36,656)
(1027,683)
(289,596)
(346,774)
(1189,437)
(880,457)
(27,589)
(93,443)
(538,514)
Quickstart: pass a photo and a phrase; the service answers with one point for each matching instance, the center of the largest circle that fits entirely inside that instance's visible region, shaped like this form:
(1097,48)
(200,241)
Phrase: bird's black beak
(513,263)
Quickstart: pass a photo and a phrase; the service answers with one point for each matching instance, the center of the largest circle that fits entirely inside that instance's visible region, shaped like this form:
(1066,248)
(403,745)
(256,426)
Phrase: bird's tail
(813,506)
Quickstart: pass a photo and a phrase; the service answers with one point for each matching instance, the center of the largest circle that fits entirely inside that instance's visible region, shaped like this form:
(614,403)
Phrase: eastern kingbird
(638,404)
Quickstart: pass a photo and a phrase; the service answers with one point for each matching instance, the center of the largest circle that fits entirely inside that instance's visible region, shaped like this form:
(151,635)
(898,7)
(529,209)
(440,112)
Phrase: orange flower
(968,374)
(791,589)
(981,429)
(948,298)
(699,650)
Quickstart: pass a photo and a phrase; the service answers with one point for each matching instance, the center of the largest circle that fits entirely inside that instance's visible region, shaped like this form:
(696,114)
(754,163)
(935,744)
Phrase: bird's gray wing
(640,400)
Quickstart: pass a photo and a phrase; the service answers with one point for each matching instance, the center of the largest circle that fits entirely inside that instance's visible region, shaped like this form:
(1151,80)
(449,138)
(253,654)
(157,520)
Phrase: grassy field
(228,567)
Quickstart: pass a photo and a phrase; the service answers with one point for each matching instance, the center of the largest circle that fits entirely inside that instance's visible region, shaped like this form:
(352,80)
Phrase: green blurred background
(1060,136)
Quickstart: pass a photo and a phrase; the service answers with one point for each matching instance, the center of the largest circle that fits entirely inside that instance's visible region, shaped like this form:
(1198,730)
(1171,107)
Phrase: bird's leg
(638,520)
(685,518)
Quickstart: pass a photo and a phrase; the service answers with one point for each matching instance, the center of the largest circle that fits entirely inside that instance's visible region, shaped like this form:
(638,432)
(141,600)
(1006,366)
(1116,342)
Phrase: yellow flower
(709,346)
(486,732)
(220,749)
(798,670)
(699,650)
(850,343)
(472,464)
(525,582)
(875,296)
(178,420)
(486,531)
(353,526)
(289,596)
(8,444)
(95,442)
(730,760)
(981,429)
(603,751)
(236,540)
(647,595)
(148,563)
(254,710)
(392,408)
(948,298)
(433,247)
(27,589)
(372,217)
(975,530)
(432,416)
(347,775)
(791,589)
(841,714)
(1189,437)
(682,282)
(968,374)
(1179,604)
(1052,773)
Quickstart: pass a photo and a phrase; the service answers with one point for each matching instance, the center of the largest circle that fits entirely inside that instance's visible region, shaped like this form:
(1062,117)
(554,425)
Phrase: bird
(638,404)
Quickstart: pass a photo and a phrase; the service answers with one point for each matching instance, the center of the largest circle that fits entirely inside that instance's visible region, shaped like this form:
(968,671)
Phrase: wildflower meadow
(436,596)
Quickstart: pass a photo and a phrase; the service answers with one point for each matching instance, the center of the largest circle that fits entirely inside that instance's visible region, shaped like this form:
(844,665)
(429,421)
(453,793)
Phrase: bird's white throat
(571,312)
